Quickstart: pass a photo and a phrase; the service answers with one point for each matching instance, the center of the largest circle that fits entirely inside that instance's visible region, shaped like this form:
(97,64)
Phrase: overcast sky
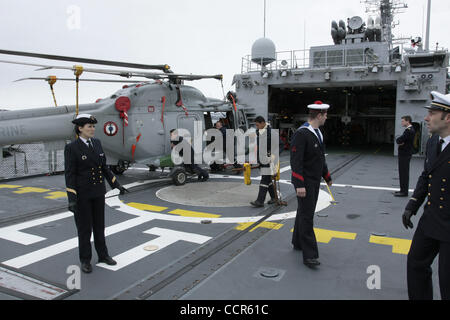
(195,36)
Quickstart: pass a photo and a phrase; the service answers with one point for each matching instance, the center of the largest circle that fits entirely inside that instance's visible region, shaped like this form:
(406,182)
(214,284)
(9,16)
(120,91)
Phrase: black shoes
(203,178)
(86,267)
(108,260)
(272,201)
(311,263)
(400,194)
(257,204)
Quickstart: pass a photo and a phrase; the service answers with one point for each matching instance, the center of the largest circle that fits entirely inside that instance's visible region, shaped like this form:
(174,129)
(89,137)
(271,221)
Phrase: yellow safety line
(325,236)
(266,225)
(194,214)
(56,195)
(31,190)
(146,207)
(9,186)
(399,246)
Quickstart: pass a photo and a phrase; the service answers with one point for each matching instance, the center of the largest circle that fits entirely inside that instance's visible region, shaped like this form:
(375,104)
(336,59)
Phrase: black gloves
(407,219)
(72,207)
(123,190)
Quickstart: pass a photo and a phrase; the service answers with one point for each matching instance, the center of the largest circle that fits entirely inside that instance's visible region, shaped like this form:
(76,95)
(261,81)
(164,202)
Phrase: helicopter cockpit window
(208,120)
(229,120)
(241,120)
(217,116)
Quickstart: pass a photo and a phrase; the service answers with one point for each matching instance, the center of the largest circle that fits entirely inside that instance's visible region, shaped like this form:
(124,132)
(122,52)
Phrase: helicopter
(135,121)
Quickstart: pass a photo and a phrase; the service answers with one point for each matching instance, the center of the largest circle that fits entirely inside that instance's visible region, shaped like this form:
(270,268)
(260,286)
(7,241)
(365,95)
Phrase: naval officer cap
(439,101)
(83,119)
(319,106)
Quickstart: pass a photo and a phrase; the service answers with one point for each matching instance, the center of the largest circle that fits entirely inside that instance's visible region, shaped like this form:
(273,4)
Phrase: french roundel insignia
(110,129)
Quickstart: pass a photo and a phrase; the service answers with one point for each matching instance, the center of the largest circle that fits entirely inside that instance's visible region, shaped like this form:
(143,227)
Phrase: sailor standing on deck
(432,236)
(85,173)
(264,144)
(405,151)
(308,166)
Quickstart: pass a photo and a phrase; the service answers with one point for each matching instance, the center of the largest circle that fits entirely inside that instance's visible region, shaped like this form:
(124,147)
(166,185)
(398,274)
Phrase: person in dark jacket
(405,151)
(216,167)
(85,174)
(432,236)
(308,166)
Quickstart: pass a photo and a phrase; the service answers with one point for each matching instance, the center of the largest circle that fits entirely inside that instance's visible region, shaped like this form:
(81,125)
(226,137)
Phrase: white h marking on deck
(165,239)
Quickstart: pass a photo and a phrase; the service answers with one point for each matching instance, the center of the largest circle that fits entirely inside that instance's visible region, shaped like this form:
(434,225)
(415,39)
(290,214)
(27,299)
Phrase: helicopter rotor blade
(191,77)
(124,73)
(23,63)
(165,68)
(86,80)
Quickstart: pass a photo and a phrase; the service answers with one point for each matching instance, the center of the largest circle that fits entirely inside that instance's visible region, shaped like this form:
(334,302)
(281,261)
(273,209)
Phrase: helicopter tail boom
(36,125)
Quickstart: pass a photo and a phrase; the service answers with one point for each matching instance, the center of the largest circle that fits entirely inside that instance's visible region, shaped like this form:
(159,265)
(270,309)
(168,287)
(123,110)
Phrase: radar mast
(387,9)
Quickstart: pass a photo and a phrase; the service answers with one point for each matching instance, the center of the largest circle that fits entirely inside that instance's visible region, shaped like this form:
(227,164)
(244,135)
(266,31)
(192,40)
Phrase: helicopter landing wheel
(119,168)
(179,177)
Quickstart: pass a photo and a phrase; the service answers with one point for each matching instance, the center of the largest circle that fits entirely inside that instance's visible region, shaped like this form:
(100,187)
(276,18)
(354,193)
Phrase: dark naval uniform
(432,236)
(308,166)
(263,141)
(405,151)
(85,173)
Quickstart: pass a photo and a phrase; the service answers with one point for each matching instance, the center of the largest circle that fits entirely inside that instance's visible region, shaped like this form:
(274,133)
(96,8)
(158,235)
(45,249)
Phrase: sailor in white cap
(85,173)
(432,236)
(308,166)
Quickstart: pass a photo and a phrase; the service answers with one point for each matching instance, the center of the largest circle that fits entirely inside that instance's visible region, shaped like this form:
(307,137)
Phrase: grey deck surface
(342,274)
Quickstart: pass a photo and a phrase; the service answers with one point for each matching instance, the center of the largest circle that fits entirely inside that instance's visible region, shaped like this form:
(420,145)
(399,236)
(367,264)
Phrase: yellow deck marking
(325,236)
(399,246)
(31,190)
(8,186)
(147,207)
(56,195)
(267,225)
(194,214)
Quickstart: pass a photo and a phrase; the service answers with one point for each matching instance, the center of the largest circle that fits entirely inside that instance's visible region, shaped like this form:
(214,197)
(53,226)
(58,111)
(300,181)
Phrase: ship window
(355,57)
(335,58)
(319,59)
(331,58)
(427,61)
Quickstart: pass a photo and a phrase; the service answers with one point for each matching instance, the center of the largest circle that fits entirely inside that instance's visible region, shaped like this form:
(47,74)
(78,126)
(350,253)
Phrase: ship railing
(295,59)
(18,161)
(302,59)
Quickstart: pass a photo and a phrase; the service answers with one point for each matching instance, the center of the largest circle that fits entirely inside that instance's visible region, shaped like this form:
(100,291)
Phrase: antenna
(423,22)
(427,41)
(264,18)
(387,9)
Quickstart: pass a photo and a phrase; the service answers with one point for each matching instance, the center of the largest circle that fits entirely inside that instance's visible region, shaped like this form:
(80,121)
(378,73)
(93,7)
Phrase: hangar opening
(361,117)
